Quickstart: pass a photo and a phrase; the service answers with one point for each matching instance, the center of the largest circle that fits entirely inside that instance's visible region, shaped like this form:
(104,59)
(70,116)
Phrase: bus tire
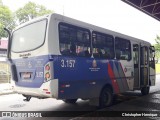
(145,90)
(70,101)
(106,97)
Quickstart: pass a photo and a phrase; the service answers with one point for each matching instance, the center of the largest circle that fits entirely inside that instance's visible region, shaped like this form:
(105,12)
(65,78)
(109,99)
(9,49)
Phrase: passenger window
(74,40)
(103,45)
(122,49)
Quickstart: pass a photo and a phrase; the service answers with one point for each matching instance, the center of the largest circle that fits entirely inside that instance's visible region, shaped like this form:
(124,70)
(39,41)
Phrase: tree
(6,19)
(30,11)
(157,47)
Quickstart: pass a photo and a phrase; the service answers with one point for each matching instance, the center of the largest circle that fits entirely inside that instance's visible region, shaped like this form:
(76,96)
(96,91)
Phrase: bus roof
(63,18)
(96,28)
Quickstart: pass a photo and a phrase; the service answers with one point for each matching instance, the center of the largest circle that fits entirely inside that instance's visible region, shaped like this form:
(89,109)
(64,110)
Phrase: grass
(157,68)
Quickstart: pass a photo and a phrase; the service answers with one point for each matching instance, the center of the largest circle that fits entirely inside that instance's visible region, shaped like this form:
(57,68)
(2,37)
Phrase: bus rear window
(29,37)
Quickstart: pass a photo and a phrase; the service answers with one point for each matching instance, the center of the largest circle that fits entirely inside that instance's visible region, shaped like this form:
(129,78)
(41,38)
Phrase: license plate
(26,75)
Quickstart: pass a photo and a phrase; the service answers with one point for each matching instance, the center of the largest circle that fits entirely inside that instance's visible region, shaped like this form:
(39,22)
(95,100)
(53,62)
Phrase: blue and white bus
(59,57)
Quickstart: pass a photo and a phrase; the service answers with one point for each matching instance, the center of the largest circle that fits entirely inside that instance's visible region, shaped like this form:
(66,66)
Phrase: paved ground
(6,88)
(134,106)
(140,108)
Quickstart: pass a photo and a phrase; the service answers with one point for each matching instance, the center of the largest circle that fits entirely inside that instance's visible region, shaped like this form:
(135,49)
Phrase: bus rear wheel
(70,101)
(106,97)
(145,90)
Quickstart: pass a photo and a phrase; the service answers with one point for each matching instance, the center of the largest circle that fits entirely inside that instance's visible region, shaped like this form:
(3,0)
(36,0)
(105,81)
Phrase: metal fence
(5,74)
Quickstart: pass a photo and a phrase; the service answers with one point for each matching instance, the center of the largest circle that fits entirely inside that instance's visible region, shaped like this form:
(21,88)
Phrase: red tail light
(48,70)
(47,75)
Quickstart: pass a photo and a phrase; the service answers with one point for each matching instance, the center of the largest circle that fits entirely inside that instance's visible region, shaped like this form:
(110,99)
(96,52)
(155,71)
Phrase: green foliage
(157,68)
(157,47)
(157,39)
(157,52)
(158,43)
(30,11)
(6,19)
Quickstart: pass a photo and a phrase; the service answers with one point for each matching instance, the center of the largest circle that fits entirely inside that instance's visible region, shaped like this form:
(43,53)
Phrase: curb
(7,92)
(6,89)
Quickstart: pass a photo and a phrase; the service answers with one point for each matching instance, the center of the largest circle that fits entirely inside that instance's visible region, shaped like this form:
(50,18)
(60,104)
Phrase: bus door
(136,60)
(152,65)
(144,66)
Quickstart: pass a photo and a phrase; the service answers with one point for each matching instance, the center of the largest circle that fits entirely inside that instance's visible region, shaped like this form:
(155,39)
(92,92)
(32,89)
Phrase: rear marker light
(65,86)
(62,91)
(62,86)
(48,92)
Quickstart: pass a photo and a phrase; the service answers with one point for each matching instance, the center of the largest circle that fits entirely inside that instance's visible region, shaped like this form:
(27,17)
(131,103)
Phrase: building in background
(3,47)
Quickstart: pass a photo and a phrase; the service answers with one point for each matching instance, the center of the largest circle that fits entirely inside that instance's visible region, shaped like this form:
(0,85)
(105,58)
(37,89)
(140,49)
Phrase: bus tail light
(47,75)
(46,91)
(48,71)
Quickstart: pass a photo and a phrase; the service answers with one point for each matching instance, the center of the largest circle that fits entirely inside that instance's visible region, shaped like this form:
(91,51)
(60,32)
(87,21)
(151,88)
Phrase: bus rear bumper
(47,90)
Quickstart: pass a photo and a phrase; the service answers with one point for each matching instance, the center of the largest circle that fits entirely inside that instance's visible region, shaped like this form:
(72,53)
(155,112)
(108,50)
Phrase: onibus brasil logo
(21,114)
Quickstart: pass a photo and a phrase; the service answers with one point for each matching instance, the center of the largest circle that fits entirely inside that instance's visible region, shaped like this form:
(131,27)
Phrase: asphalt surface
(131,105)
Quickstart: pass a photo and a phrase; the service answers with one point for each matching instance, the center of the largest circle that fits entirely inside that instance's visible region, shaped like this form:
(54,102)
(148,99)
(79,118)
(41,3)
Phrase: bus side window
(65,39)
(123,49)
(65,48)
(103,45)
(74,40)
(83,51)
(73,49)
(83,42)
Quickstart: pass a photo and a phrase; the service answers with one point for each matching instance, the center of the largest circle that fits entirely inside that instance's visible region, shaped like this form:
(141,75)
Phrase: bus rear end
(32,66)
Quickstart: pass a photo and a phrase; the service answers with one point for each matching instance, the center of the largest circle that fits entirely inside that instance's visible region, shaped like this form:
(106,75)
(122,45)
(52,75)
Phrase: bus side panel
(77,78)
(85,77)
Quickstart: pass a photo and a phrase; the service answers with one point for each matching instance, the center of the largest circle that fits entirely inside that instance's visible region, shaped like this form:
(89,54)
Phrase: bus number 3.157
(68,63)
